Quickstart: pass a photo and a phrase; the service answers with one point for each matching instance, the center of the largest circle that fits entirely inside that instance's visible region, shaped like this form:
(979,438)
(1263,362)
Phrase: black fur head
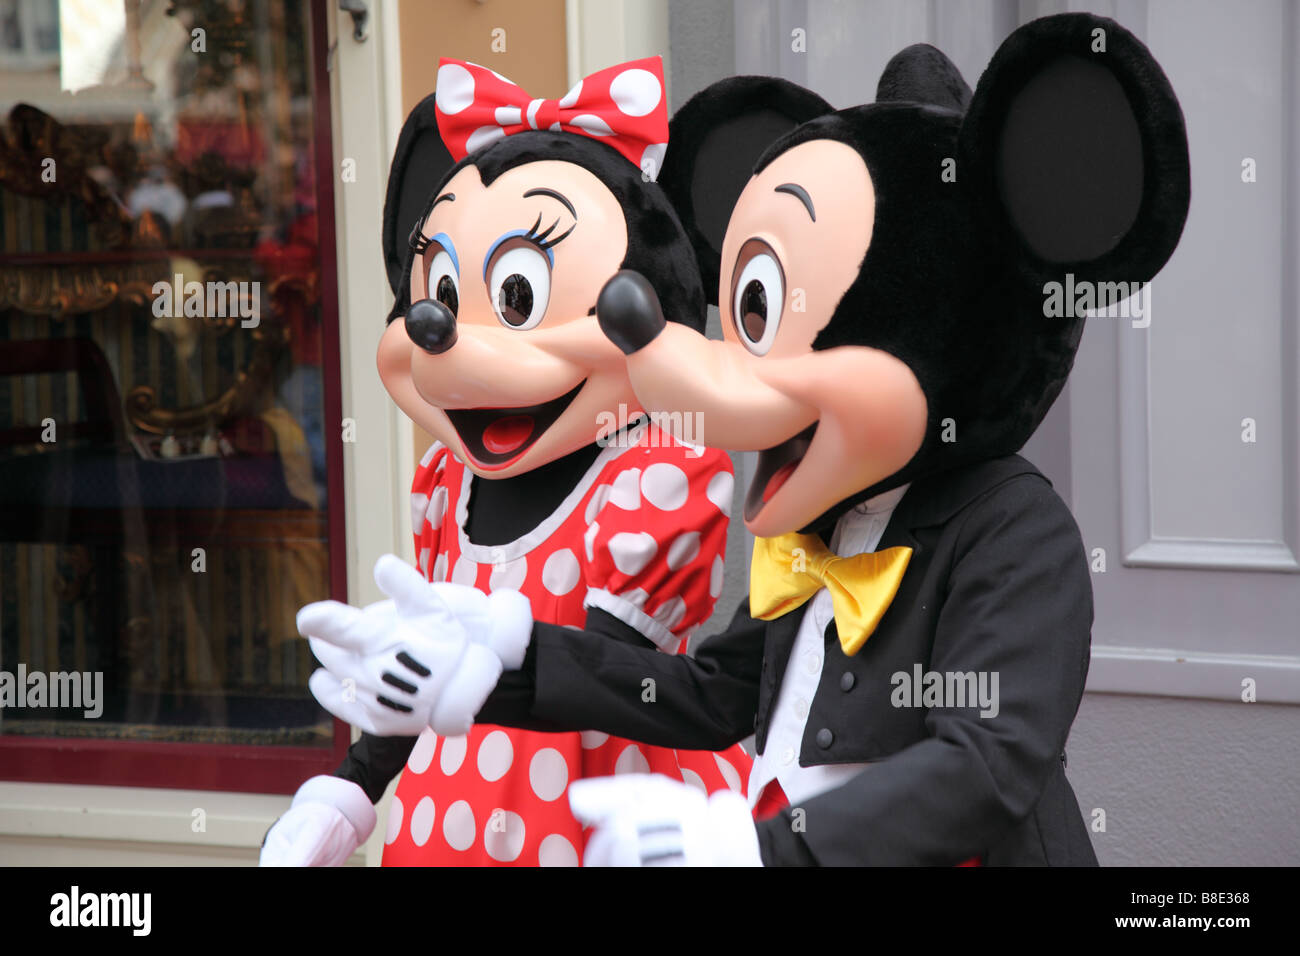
(657,246)
(1067,159)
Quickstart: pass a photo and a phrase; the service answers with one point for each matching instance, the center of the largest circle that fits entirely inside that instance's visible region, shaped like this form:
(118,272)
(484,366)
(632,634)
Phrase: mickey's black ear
(1075,148)
(922,74)
(419,164)
(713,143)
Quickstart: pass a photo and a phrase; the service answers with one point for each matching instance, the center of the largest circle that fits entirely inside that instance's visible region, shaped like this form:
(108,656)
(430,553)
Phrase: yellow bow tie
(786,571)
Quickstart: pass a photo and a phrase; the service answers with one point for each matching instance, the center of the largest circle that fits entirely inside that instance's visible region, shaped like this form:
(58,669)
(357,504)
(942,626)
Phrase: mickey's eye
(443,283)
(519,281)
(757,295)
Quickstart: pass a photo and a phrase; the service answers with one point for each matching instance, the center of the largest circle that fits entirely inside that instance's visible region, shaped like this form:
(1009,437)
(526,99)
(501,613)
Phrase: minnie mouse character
(883,272)
(617,531)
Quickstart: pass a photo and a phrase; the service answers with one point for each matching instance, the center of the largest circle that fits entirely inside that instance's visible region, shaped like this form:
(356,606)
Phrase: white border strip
(1168,672)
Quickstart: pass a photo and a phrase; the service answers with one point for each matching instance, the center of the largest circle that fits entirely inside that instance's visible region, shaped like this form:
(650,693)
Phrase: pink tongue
(777,480)
(507,434)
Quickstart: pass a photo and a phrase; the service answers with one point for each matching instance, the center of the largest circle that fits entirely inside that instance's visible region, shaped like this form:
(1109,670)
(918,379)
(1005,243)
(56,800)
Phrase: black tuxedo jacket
(998,583)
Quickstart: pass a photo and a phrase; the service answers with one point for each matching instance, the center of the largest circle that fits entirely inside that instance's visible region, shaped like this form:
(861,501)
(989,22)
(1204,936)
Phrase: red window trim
(228,767)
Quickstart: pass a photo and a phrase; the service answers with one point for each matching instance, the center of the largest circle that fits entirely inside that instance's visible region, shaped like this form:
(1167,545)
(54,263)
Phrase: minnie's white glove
(652,820)
(329,818)
(428,657)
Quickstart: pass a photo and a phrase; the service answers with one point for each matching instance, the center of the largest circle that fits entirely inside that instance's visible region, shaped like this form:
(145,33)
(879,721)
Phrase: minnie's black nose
(431,326)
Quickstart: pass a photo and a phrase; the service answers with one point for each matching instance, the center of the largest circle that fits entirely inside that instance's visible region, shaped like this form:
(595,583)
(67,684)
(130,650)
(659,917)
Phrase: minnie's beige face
(520,264)
(828,423)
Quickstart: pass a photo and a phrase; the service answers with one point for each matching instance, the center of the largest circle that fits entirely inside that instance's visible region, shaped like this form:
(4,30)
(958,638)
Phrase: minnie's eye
(519,281)
(757,296)
(443,283)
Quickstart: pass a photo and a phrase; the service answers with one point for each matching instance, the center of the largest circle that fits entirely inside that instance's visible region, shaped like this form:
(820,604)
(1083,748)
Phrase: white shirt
(857,532)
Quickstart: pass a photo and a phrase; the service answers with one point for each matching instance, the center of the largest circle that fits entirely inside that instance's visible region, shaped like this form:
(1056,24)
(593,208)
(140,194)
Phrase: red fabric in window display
(649,519)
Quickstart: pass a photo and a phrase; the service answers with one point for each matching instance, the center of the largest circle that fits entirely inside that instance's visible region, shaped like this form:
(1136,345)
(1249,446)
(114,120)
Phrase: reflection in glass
(162,427)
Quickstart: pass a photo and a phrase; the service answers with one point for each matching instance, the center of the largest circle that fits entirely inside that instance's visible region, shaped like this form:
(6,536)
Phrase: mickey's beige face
(828,423)
(520,264)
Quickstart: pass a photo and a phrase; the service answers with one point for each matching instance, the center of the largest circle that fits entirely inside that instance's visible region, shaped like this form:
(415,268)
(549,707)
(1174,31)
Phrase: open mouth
(496,437)
(775,466)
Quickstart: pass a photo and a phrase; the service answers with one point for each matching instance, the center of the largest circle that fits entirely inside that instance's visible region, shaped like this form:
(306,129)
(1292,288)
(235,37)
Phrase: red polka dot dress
(641,537)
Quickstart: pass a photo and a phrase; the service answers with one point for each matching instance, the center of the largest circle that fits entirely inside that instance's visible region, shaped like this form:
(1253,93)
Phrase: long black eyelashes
(540,239)
(419,242)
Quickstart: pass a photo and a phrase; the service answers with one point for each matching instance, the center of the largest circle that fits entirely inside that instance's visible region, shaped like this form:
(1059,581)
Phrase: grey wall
(1188,782)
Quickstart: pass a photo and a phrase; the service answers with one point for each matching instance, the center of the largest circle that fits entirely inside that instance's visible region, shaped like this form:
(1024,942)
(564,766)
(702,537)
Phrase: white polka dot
(508,574)
(508,116)
(719,491)
(635,596)
(495,754)
(561,572)
(440,568)
(428,455)
(670,613)
(635,92)
(465,572)
(591,123)
(715,577)
(665,486)
(632,760)
(684,549)
(591,739)
(693,779)
(533,107)
(589,540)
(453,754)
(632,550)
(503,837)
(548,773)
(728,772)
(626,492)
(422,562)
(394,821)
(596,502)
(483,136)
(454,88)
(556,851)
(437,509)
(422,752)
(458,826)
(419,503)
(422,821)
(570,98)
(652,160)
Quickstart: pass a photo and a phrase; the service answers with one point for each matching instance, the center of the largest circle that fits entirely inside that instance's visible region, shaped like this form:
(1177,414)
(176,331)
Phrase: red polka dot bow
(623,106)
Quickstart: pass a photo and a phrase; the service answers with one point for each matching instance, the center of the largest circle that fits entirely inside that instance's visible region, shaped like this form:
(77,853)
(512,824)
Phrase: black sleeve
(372,762)
(584,680)
(1019,606)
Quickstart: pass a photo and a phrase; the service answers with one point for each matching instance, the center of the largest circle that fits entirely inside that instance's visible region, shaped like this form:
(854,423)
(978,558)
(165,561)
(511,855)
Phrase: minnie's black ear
(419,164)
(922,74)
(1075,150)
(713,144)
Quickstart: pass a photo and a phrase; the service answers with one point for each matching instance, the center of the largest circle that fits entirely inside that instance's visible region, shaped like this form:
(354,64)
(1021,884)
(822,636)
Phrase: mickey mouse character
(614,528)
(882,276)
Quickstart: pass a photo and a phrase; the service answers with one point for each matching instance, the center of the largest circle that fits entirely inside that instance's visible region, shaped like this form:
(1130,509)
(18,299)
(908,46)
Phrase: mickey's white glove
(429,657)
(652,820)
(329,818)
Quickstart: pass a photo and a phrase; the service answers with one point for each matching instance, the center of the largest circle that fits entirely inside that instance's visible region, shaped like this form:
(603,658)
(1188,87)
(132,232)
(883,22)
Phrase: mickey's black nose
(628,311)
(431,326)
